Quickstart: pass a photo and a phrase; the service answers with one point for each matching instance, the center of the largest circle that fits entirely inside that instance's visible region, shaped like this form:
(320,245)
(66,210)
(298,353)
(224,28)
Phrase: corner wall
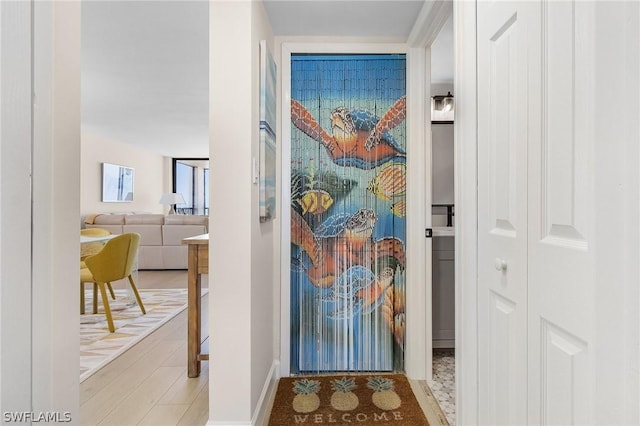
(149,177)
(263,237)
(241,257)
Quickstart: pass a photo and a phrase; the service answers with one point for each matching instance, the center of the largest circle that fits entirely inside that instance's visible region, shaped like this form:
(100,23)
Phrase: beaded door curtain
(348,180)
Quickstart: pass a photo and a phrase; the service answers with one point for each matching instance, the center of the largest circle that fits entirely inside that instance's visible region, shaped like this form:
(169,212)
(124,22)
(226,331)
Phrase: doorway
(348,208)
(417,362)
(443,219)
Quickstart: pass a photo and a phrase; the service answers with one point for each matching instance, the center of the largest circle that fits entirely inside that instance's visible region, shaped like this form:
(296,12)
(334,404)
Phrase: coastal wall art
(267,175)
(117,183)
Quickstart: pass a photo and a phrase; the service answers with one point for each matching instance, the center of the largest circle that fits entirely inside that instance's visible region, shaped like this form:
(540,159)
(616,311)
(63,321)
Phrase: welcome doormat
(367,399)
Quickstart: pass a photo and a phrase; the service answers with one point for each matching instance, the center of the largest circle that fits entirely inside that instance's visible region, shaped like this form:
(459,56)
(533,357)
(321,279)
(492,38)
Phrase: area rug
(98,346)
(343,400)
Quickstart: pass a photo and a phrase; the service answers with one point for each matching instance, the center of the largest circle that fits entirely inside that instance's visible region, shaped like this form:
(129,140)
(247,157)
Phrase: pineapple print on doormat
(365,399)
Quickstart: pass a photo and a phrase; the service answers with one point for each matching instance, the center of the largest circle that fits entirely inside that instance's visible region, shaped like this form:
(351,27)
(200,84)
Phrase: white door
(503,130)
(561,279)
(536,273)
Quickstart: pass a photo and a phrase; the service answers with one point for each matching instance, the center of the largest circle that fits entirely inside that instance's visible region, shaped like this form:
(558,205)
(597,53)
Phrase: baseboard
(268,391)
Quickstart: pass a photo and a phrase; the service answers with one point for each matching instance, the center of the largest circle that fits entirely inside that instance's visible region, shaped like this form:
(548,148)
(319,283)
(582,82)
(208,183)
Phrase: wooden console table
(198,264)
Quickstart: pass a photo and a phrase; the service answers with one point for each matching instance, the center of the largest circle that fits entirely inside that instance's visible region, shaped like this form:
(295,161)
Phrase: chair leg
(135,291)
(113,295)
(107,309)
(95,298)
(81,298)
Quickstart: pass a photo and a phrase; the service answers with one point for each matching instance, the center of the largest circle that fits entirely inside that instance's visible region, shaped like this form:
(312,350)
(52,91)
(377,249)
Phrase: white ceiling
(145,63)
(345,18)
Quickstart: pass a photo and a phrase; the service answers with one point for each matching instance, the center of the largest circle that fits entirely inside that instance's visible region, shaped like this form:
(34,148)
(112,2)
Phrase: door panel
(561,273)
(535,271)
(502,217)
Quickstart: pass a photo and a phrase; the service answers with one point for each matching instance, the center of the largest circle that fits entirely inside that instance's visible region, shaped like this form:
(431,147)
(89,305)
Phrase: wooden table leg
(193,313)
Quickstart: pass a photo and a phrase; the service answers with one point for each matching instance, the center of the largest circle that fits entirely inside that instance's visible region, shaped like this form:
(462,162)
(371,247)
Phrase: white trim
(430,20)
(465,184)
(418,351)
(261,413)
(414,356)
(285,228)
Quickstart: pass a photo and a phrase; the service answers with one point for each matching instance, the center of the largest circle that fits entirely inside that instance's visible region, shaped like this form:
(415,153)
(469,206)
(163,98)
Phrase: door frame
(466,201)
(418,299)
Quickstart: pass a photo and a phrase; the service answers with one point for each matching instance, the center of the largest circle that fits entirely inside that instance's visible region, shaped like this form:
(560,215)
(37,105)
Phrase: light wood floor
(148,384)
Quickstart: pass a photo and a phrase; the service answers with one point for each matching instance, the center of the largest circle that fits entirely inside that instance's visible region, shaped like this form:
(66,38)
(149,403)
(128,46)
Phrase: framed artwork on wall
(117,183)
(267,164)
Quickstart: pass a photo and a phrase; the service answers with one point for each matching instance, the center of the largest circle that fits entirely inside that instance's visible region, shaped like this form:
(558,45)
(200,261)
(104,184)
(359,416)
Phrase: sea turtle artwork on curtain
(348,186)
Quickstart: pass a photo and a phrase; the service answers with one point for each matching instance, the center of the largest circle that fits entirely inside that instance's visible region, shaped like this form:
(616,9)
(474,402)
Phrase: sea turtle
(337,243)
(356,228)
(393,307)
(357,291)
(341,241)
(359,138)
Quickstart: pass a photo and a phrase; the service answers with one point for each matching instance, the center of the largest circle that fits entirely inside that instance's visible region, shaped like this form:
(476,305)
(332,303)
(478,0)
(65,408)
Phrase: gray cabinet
(443,292)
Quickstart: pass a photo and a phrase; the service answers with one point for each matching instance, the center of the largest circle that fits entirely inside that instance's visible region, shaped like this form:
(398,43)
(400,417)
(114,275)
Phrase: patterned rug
(98,347)
(342,400)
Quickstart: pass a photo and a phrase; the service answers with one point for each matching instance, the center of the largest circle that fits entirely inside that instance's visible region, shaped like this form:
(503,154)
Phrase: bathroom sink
(444,231)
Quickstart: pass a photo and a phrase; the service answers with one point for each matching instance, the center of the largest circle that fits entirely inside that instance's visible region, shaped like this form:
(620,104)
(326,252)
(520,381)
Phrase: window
(191,179)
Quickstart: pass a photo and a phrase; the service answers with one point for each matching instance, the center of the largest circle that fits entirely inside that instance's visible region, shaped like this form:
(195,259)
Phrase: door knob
(500,264)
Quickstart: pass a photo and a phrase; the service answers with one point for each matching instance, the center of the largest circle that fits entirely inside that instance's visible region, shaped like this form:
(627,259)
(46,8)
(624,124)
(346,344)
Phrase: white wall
(39,169)
(438,89)
(442,163)
(442,167)
(241,252)
(263,237)
(15,206)
(151,178)
(56,192)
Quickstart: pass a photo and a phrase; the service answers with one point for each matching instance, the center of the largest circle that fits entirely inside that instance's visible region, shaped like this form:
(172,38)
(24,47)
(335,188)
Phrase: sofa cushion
(109,219)
(144,219)
(150,235)
(172,235)
(181,219)
(151,257)
(175,257)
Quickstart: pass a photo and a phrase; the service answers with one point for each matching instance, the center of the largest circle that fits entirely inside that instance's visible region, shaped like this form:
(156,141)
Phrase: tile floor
(444,381)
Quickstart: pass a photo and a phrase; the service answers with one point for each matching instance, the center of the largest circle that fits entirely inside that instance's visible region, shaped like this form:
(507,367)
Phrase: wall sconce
(172,198)
(442,107)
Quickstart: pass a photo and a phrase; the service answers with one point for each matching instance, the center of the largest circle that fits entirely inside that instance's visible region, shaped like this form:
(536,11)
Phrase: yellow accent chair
(114,262)
(87,249)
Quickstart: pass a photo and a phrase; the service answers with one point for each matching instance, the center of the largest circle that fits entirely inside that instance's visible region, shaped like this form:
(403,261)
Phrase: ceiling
(145,63)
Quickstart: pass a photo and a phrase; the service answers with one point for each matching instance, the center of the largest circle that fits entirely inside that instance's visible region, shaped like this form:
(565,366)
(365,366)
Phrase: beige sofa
(160,235)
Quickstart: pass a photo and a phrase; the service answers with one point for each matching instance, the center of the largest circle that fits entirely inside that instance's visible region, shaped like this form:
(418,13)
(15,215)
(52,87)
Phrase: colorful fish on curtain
(348,184)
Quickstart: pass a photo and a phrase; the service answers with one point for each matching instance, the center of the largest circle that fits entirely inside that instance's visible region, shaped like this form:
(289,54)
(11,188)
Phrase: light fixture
(172,198)
(443,103)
